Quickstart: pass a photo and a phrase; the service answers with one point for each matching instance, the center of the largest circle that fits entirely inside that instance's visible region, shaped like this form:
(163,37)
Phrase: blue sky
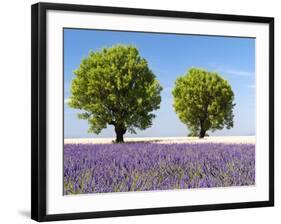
(169,56)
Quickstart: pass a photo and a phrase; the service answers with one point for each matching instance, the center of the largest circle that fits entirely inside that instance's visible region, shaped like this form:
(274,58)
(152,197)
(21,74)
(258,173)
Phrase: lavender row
(101,168)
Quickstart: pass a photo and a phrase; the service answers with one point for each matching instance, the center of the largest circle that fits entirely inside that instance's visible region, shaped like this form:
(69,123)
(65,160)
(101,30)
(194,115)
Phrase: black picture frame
(39,122)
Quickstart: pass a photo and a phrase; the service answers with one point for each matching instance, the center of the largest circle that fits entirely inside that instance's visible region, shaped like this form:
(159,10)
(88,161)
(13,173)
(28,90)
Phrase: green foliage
(203,101)
(115,86)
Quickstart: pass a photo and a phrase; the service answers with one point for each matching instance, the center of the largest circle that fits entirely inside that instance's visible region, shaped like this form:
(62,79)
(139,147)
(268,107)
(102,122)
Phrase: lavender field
(101,168)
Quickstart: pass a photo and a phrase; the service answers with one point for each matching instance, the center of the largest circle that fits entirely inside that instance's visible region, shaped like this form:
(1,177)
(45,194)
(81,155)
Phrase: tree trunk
(202,129)
(119,137)
(202,133)
(119,134)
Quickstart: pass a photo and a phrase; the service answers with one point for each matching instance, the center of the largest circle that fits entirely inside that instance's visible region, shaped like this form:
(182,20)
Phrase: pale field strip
(167,140)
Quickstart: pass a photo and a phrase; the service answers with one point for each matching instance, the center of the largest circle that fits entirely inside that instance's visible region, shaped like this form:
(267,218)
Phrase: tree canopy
(115,86)
(203,101)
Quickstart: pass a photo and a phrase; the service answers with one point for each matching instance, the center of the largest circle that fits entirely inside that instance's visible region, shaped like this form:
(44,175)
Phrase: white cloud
(67,100)
(230,71)
(251,86)
(167,89)
(238,72)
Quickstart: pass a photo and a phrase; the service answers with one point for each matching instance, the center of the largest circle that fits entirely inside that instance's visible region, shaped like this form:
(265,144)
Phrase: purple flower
(100,168)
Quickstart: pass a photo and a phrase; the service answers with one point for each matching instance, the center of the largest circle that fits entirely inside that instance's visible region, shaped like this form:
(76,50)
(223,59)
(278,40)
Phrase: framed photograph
(140,111)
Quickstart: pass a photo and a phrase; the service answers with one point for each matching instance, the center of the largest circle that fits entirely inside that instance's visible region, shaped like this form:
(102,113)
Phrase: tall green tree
(115,86)
(203,101)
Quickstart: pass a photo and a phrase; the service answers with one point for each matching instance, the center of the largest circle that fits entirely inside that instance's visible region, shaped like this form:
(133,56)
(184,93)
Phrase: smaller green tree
(203,101)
